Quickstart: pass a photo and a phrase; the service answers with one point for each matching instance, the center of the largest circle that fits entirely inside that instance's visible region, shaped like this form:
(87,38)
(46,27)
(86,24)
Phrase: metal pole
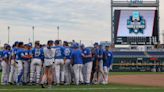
(158,20)
(112,31)
(163,37)
(58,32)
(33,28)
(8,34)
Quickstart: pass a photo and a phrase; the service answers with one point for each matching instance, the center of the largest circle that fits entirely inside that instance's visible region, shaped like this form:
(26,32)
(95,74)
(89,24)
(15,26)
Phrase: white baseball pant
(59,70)
(5,72)
(35,70)
(54,73)
(87,71)
(20,70)
(78,73)
(26,71)
(67,71)
(12,75)
(106,74)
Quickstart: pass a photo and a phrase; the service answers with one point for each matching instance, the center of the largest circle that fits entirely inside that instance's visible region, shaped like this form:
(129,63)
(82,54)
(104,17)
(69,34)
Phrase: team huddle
(55,64)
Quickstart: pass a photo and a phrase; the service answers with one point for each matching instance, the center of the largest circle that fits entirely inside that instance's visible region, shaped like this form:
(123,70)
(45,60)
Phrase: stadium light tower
(8,34)
(58,32)
(33,29)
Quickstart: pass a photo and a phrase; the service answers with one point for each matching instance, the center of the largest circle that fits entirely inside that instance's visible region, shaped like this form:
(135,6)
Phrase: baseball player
(94,74)
(100,65)
(13,73)
(49,54)
(19,62)
(1,58)
(67,61)
(1,55)
(87,59)
(36,63)
(77,64)
(26,63)
(5,65)
(107,63)
(59,62)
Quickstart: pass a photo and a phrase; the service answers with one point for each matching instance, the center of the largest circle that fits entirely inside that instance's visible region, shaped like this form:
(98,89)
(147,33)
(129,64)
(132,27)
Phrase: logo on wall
(136,23)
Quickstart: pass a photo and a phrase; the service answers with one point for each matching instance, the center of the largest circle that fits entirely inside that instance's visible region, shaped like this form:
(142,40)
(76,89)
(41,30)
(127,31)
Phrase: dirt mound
(156,80)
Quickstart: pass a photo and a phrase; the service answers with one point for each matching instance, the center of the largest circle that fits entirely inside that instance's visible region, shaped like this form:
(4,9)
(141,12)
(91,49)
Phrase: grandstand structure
(141,55)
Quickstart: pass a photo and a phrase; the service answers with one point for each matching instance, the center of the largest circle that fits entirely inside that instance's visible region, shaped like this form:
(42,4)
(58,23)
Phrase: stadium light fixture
(8,34)
(58,32)
(33,28)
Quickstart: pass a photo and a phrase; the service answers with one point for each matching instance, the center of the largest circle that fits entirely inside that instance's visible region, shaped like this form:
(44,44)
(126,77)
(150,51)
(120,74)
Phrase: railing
(128,64)
(129,50)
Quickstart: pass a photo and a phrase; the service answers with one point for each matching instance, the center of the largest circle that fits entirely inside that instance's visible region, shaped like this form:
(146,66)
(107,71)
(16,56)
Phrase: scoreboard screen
(136,27)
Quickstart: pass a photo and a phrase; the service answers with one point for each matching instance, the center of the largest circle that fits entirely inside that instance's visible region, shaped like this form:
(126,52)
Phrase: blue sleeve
(72,55)
(42,54)
(71,52)
(30,52)
(33,51)
(0,54)
(80,52)
(89,51)
(96,52)
(5,55)
(101,52)
(111,57)
(63,51)
(21,54)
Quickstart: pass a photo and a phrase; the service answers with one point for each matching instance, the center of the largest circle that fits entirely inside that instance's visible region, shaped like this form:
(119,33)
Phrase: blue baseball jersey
(95,54)
(109,58)
(67,53)
(38,53)
(6,54)
(100,53)
(77,56)
(1,54)
(13,53)
(59,52)
(87,51)
(20,54)
(27,52)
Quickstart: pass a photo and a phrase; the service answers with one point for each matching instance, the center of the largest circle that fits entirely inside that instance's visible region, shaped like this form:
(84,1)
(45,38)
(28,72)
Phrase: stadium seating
(128,54)
(138,54)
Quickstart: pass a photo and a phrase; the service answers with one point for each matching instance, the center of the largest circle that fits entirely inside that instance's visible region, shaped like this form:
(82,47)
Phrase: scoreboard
(136,27)
(137,40)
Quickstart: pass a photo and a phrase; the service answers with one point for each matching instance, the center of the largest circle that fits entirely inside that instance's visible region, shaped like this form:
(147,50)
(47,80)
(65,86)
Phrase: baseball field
(119,82)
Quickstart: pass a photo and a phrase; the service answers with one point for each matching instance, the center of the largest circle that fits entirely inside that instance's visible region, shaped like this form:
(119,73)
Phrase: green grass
(82,88)
(92,88)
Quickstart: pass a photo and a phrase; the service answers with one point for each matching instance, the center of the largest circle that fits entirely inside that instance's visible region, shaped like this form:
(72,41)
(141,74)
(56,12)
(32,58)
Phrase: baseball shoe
(50,86)
(42,85)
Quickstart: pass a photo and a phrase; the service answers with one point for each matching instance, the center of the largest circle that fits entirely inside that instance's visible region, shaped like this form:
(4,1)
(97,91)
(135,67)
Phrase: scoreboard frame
(131,4)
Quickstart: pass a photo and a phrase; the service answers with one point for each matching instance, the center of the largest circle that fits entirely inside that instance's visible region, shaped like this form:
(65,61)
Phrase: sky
(85,20)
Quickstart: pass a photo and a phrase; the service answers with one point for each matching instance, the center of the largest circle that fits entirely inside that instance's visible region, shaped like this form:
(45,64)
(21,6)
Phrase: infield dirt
(155,80)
